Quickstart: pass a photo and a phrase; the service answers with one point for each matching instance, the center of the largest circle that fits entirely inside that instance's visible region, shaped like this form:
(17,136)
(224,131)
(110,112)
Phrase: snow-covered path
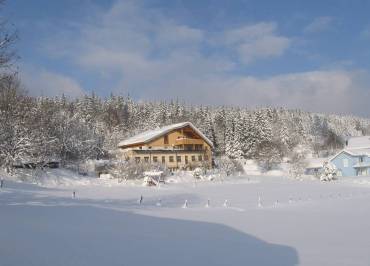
(299,223)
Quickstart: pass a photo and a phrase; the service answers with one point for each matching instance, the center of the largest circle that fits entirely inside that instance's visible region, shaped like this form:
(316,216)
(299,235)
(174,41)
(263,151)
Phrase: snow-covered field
(298,223)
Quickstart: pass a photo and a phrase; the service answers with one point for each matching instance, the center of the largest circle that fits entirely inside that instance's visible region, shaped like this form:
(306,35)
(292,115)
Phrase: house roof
(150,135)
(359,152)
(313,163)
(358,142)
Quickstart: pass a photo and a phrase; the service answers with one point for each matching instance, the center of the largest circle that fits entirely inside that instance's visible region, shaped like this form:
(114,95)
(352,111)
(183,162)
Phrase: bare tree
(8,36)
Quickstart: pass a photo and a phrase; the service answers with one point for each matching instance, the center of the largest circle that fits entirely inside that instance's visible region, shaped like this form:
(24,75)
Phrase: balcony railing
(187,141)
(167,150)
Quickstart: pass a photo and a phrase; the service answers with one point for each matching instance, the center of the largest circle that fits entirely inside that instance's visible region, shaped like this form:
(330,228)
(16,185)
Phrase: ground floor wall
(363,171)
(171,159)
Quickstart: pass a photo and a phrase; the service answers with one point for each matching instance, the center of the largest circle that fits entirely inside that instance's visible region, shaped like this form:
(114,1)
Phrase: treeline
(38,129)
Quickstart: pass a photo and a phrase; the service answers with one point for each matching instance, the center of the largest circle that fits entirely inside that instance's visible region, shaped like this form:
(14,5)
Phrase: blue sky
(312,55)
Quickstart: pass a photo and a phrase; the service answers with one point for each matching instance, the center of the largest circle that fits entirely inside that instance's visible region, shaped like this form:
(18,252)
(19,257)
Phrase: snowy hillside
(37,130)
(247,221)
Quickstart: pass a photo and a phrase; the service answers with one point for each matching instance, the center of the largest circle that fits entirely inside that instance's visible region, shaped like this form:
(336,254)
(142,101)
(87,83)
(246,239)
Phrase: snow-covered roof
(316,162)
(354,152)
(356,146)
(358,142)
(358,152)
(150,135)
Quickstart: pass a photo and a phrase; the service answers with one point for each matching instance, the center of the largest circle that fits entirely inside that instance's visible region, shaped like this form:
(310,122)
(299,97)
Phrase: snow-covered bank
(300,223)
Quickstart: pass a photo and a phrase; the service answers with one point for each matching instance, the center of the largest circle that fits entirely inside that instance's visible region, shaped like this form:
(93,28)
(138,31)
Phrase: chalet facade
(177,146)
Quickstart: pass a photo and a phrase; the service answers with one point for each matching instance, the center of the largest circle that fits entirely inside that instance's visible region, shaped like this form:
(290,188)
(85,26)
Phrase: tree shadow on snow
(85,235)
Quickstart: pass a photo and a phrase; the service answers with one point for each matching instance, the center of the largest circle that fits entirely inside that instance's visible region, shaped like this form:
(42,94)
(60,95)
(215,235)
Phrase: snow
(152,134)
(359,142)
(358,151)
(303,222)
(313,163)
(251,167)
(357,146)
(353,152)
(153,173)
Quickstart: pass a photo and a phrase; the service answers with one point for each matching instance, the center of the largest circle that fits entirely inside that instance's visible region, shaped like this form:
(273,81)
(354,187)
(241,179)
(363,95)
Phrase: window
(345,162)
(198,147)
(155,159)
(166,139)
(171,159)
(200,158)
(178,159)
(193,158)
(188,147)
(361,159)
(146,159)
(137,159)
(163,159)
(186,160)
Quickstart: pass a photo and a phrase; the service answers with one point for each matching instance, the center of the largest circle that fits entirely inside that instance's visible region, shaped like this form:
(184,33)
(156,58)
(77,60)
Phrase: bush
(129,170)
(228,166)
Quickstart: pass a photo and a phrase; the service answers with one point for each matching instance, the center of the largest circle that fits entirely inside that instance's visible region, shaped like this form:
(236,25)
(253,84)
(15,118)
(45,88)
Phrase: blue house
(354,159)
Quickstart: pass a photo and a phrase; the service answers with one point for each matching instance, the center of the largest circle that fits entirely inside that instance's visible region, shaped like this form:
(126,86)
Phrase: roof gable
(150,135)
(353,152)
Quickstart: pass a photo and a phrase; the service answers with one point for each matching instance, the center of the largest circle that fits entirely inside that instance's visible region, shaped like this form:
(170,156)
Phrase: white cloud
(250,32)
(267,46)
(128,35)
(154,57)
(257,41)
(318,91)
(46,83)
(319,24)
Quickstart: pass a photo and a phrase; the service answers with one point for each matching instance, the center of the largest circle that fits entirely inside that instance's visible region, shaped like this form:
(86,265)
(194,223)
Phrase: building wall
(194,159)
(365,171)
(339,164)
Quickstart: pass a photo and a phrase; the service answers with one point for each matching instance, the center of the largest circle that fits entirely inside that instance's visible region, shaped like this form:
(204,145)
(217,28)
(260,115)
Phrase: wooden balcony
(188,141)
(168,151)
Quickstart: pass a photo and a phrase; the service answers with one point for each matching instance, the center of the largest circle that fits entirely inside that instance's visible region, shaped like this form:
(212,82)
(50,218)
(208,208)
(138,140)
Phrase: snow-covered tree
(228,166)
(297,165)
(329,172)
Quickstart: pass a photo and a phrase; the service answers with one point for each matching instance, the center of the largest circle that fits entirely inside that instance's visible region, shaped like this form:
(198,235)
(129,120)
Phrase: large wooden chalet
(177,146)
